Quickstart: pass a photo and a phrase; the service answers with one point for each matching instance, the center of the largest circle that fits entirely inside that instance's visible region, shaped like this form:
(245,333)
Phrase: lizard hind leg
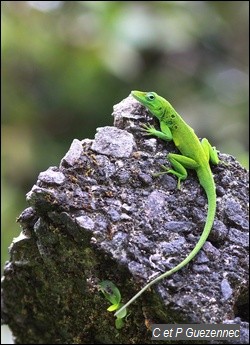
(210,151)
(179,164)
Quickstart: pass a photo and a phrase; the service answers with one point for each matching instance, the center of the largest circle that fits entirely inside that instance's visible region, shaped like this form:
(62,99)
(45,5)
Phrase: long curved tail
(211,196)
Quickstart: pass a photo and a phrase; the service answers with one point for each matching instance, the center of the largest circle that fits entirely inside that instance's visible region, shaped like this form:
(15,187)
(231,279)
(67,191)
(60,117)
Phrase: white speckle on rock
(85,222)
(51,177)
(114,142)
(74,153)
(226,289)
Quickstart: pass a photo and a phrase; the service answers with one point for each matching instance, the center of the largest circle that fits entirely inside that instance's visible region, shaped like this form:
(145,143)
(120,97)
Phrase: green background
(65,64)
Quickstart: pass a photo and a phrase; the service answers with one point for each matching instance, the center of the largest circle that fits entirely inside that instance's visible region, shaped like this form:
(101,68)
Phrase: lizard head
(153,102)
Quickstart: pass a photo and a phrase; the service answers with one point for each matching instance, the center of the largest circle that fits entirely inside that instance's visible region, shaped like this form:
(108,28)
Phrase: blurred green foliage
(66,63)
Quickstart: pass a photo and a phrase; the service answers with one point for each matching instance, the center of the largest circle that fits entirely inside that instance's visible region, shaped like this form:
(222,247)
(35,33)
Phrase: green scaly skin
(194,155)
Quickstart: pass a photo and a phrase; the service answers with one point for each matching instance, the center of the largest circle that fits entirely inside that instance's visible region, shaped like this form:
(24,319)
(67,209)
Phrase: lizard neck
(171,118)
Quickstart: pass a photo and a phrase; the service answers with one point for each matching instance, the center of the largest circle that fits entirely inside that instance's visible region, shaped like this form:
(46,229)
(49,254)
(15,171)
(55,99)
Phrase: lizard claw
(148,129)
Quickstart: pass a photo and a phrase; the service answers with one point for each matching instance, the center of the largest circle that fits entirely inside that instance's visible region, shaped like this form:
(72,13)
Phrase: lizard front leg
(164,134)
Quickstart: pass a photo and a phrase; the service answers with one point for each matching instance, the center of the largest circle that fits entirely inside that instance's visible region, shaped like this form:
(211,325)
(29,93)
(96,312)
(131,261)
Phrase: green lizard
(194,155)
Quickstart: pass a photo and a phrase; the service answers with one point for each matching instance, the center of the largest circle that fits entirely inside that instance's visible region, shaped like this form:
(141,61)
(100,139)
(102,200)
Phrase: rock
(102,215)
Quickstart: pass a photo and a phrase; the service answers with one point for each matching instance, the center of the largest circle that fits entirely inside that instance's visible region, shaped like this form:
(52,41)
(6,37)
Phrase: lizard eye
(150,96)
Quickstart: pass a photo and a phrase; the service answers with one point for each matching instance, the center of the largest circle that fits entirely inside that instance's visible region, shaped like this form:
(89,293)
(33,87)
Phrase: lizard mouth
(138,95)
